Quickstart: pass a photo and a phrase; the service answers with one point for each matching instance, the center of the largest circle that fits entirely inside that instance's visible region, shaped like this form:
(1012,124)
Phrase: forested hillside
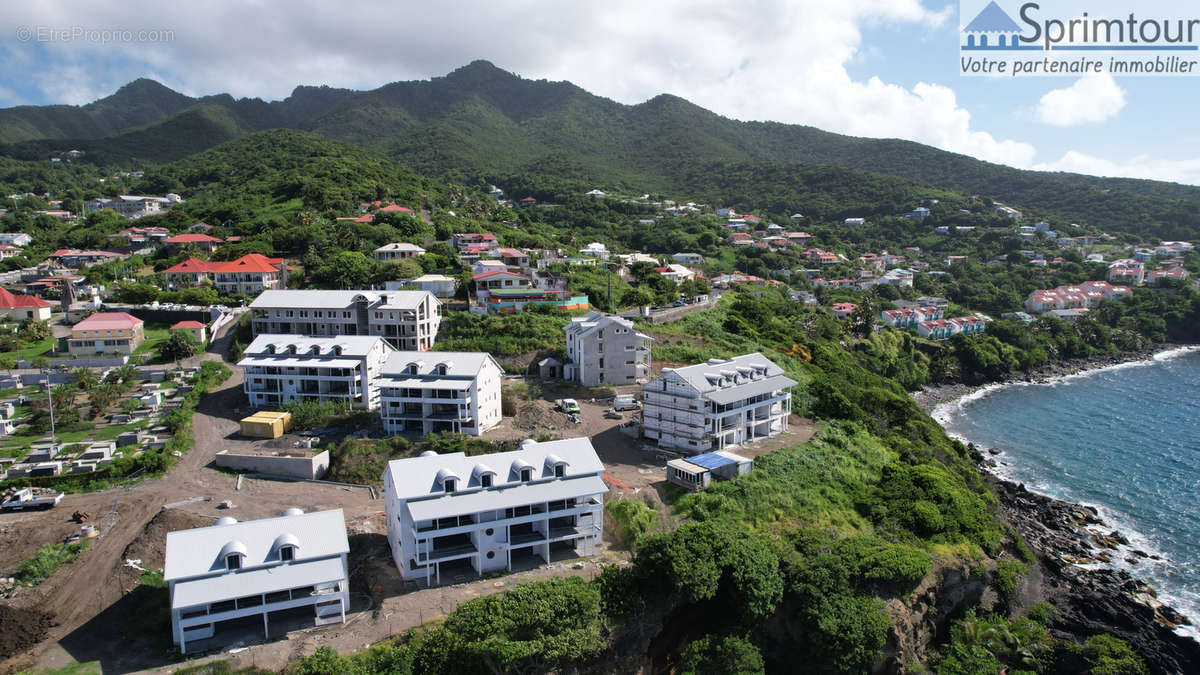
(480,123)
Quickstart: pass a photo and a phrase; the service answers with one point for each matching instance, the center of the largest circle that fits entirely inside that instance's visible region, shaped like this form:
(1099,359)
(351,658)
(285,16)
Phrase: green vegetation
(502,335)
(41,565)
(632,518)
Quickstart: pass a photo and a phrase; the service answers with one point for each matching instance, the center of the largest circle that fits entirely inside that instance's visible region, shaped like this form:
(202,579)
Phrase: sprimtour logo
(1070,38)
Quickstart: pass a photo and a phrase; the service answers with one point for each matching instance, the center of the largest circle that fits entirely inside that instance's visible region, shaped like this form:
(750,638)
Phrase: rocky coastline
(1074,548)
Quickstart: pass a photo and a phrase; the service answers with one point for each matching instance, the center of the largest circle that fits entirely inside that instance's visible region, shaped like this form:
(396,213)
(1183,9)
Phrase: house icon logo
(992,28)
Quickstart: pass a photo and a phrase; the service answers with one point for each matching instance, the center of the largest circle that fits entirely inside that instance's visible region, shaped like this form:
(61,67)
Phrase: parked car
(612,414)
(626,402)
(568,405)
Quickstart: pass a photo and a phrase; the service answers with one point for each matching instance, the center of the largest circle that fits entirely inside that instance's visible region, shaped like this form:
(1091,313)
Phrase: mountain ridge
(480,122)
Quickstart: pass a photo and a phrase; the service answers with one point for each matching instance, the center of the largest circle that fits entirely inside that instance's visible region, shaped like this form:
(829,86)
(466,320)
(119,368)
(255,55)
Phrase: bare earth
(100,617)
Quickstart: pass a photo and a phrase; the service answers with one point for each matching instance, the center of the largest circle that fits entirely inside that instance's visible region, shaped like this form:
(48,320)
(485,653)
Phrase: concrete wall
(166,316)
(312,467)
(675,313)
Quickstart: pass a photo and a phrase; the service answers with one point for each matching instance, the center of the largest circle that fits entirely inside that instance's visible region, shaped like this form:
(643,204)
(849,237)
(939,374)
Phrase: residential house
(1143,254)
(1007,211)
(8,251)
(15,238)
(481,266)
(1087,295)
(190,272)
(15,307)
(515,300)
(133,236)
(1127,271)
(908,317)
(284,368)
(486,282)
(676,272)
(249,275)
(843,310)
(194,328)
(799,238)
(490,513)
(854,222)
(73,257)
(1163,276)
(408,320)
(595,250)
(440,285)
(480,241)
(513,257)
(603,349)
(428,392)
(232,571)
(720,403)
(204,242)
(132,206)
(398,251)
(106,333)
(944,329)
(688,258)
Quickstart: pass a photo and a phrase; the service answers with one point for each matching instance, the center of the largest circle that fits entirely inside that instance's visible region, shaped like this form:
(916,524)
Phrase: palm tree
(85,378)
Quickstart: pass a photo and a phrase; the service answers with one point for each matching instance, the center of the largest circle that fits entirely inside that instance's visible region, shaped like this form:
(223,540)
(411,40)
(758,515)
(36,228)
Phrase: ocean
(1124,439)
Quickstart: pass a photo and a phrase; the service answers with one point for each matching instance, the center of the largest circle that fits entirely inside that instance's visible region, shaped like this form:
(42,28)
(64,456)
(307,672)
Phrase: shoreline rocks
(1073,546)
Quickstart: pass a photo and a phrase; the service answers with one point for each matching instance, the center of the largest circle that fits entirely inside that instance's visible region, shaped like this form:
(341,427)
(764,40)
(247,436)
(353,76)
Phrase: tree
(711,654)
(85,378)
(34,330)
(179,346)
(8,362)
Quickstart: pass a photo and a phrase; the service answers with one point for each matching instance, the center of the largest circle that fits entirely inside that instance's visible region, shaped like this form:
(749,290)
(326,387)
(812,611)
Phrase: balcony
(525,538)
(444,552)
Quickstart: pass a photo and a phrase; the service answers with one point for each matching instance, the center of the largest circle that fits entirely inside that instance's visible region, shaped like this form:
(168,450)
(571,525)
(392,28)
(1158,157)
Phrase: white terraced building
(604,349)
(718,404)
(440,391)
(231,571)
(408,320)
(458,515)
(282,368)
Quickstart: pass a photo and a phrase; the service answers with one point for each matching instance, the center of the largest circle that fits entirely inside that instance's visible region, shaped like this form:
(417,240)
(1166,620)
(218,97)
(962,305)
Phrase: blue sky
(882,68)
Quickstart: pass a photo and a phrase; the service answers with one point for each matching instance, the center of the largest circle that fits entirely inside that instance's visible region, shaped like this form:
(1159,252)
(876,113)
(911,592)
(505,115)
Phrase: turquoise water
(1125,440)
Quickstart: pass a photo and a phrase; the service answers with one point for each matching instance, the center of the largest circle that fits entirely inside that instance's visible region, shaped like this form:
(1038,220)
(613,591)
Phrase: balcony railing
(443,552)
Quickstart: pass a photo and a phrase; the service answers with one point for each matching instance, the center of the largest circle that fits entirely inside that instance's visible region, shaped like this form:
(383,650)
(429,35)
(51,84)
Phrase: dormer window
(287,553)
(560,470)
(485,480)
(233,561)
(526,475)
(448,485)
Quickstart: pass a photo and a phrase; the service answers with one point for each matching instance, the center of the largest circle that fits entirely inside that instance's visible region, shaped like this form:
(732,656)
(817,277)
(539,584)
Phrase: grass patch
(111,432)
(33,350)
(156,334)
(46,559)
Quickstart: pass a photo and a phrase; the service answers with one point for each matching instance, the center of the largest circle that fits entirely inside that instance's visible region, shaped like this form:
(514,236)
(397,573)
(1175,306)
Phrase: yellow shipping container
(265,424)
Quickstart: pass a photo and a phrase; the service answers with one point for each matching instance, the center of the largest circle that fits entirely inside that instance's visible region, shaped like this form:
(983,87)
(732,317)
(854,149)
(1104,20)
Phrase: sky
(878,68)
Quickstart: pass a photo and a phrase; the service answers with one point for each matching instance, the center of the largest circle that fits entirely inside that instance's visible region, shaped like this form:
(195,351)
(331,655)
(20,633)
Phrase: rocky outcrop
(1072,544)
(922,617)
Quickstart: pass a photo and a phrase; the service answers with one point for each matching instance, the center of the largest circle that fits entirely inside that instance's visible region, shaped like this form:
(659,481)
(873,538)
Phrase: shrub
(711,654)
(632,518)
(46,559)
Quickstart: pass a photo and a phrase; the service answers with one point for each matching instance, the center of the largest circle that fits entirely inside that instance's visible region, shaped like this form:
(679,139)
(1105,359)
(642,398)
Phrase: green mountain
(482,123)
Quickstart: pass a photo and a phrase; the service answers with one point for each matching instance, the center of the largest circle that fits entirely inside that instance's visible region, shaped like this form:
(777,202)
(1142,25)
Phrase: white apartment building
(718,404)
(440,391)
(231,570)
(605,349)
(440,285)
(472,515)
(408,320)
(282,368)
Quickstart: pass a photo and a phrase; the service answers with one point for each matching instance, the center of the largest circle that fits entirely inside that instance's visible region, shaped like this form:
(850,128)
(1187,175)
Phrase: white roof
(698,375)
(503,498)
(458,365)
(352,347)
(581,325)
(425,278)
(415,477)
(196,552)
(192,592)
(401,246)
(302,299)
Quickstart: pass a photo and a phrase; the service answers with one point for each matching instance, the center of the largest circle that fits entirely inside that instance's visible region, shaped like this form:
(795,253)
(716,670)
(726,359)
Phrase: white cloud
(1142,166)
(782,60)
(1090,100)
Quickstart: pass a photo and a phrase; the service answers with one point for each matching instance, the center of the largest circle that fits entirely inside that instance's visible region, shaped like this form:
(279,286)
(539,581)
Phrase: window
(448,485)
(233,561)
(526,475)
(491,554)
(287,553)
(485,481)
(560,470)
(489,532)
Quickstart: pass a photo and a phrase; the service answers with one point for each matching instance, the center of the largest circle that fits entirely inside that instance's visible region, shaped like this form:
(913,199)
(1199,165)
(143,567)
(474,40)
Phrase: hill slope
(482,122)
